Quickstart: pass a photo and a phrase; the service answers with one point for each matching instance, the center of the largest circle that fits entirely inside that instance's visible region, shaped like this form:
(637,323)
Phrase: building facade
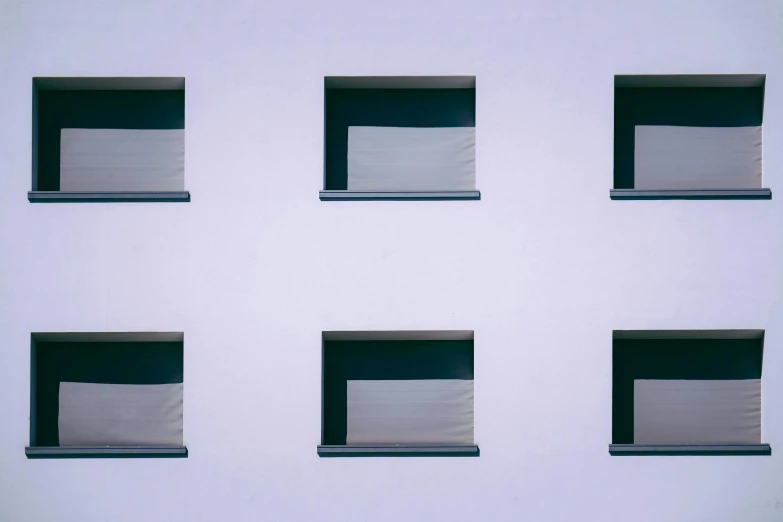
(545,269)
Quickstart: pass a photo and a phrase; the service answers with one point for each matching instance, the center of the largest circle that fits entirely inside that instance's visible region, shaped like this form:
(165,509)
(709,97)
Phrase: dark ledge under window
(759,193)
(98,197)
(358,195)
(689,449)
(76,452)
(467,450)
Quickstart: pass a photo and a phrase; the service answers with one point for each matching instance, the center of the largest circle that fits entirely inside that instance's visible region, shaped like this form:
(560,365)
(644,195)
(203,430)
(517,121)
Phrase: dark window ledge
(690,449)
(81,452)
(395,450)
(360,195)
(37,196)
(761,193)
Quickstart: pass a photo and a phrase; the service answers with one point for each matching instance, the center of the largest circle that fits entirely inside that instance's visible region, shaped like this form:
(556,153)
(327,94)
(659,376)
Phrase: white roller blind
(120,414)
(438,411)
(667,157)
(122,160)
(697,412)
(412,159)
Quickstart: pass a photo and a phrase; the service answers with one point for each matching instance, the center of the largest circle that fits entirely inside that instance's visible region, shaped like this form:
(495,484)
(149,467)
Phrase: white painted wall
(543,267)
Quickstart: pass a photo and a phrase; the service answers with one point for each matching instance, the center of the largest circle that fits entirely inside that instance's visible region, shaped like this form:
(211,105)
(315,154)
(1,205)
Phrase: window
(397,393)
(400,138)
(688,137)
(108,139)
(687,392)
(106,394)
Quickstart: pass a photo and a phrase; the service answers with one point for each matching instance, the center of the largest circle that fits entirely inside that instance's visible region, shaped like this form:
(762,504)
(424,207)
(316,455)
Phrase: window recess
(400,138)
(398,393)
(106,395)
(687,392)
(108,139)
(688,137)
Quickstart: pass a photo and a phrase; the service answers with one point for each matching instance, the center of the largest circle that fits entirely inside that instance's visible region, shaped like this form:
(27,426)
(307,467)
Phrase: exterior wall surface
(543,267)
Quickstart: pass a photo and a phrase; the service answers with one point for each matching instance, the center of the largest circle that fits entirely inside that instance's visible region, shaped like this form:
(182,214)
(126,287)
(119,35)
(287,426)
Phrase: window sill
(37,196)
(689,449)
(363,195)
(80,452)
(395,450)
(761,193)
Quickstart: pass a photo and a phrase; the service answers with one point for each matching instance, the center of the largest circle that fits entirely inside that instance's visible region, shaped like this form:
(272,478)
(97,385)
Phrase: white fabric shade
(116,160)
(667,157)
(120,414)
(697,411)
(438,411)
(411,159)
